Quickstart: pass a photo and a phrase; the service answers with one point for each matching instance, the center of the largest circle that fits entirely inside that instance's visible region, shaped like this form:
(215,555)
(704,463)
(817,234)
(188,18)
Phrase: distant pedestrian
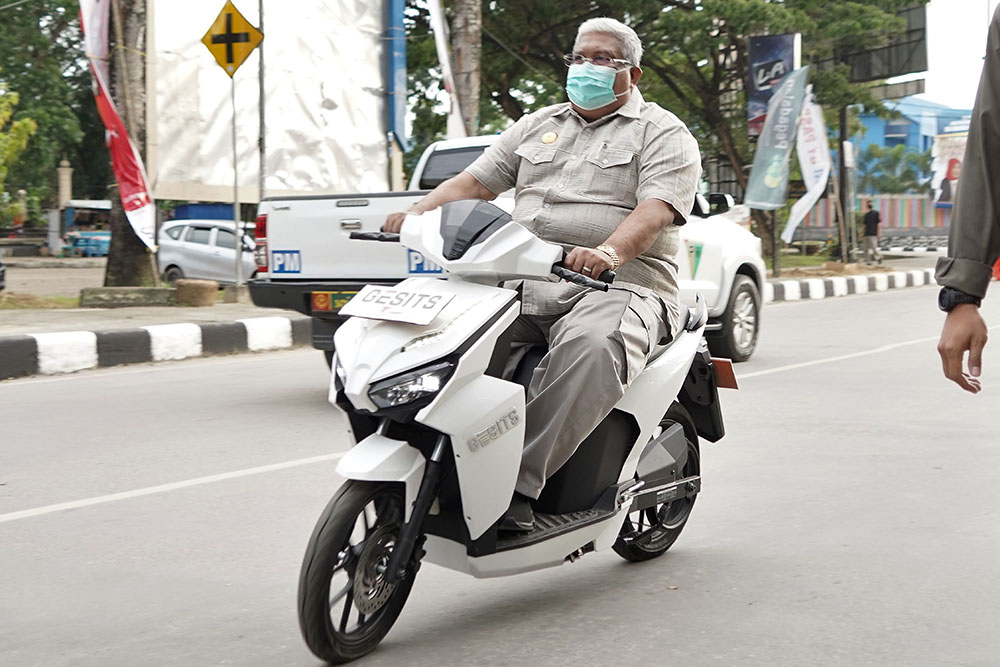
(870,240)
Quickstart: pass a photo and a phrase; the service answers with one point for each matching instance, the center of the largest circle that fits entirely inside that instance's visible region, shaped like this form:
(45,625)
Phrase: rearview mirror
(720,202)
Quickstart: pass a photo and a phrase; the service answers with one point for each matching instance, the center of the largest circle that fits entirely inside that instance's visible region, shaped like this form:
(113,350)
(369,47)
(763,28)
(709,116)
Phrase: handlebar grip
(387,237)
(579,278)
(607,276)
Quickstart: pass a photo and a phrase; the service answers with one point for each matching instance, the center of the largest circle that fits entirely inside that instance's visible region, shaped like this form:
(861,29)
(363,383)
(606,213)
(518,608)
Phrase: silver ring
(586,269)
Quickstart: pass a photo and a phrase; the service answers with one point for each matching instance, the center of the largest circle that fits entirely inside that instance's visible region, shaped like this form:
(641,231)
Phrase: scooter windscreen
(466,222)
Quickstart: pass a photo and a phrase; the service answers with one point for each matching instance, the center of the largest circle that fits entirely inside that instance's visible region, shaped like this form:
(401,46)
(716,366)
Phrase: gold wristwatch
(616,261)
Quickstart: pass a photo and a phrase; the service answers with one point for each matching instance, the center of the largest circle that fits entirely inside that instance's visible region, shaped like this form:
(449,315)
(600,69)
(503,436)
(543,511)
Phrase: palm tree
(894,170)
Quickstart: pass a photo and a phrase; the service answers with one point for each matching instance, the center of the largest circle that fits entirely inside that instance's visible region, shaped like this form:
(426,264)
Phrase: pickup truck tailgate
(308,238)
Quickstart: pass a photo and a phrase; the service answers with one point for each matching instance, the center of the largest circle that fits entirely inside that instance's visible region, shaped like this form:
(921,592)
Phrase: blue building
(919,122)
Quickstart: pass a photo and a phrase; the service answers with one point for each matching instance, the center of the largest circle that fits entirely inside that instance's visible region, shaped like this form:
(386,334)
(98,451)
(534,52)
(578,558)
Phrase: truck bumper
(297,296)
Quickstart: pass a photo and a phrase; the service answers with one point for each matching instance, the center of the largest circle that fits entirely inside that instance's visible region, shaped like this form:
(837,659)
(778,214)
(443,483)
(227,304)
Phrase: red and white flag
(133,186)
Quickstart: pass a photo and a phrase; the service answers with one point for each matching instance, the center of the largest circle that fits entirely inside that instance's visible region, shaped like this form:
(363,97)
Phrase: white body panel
(648,398)
(485,418)
(381,459)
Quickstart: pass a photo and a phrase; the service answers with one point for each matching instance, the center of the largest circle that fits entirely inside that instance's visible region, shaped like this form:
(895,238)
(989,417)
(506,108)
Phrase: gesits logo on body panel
(286,261)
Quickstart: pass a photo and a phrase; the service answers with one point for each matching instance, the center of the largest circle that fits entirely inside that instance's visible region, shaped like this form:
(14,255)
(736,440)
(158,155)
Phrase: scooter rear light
(260,235)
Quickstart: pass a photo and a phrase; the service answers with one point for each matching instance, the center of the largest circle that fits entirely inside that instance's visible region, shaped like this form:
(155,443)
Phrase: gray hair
(630,43)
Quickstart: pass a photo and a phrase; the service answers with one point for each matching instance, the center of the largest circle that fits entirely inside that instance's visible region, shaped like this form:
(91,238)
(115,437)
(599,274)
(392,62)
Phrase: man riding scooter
(608,176)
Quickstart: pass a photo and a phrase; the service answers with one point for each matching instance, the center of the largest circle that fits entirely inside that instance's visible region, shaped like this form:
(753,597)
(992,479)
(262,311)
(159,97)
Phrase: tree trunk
(467,47)
(129,262)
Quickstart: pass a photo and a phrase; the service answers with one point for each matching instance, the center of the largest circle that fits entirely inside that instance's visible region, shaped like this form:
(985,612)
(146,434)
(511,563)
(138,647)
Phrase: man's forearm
(462,186)
(639,230)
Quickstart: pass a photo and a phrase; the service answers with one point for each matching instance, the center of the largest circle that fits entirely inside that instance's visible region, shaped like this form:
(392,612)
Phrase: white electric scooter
(419,372)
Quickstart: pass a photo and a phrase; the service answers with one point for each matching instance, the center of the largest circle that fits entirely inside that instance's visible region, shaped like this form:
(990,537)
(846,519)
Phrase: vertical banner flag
(456,126)
(814,161)
(770,58)
(768,183)
(126,163)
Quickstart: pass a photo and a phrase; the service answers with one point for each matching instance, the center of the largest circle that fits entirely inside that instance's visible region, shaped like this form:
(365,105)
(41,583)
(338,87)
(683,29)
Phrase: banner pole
(776,259)
(238,244)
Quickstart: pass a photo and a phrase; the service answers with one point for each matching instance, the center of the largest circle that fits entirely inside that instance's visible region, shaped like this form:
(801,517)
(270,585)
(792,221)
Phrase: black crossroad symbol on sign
(229,38)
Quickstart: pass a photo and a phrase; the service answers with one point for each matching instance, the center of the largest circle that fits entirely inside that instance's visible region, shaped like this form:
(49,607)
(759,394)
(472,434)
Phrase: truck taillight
(260,236)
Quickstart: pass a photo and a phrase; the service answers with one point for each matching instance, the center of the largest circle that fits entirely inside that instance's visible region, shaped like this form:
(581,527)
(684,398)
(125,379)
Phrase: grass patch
(17,301)
(798,261)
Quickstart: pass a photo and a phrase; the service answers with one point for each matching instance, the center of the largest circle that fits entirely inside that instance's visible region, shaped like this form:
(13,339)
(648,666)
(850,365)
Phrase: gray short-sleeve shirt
(576,181)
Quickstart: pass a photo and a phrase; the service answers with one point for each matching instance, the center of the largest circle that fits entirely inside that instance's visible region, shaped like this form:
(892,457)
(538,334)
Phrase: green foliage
(14,139)
(894,170)
(41,56)
(694,62)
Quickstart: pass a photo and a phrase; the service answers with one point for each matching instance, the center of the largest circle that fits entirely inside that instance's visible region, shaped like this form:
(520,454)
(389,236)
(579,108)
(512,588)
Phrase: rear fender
(381,459)
(700,397)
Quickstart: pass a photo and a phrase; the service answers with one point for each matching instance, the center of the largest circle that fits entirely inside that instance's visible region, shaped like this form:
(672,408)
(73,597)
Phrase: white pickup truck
(307,262)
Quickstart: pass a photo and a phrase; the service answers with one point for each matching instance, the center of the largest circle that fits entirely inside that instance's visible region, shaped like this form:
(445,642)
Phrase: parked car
(204,249)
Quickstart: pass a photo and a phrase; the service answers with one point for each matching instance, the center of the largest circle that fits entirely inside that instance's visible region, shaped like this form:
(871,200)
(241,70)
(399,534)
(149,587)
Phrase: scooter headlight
(411,387)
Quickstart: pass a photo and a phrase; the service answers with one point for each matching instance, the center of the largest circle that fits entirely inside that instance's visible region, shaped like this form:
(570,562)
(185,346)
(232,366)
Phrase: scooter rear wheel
(346,606)
(648,533)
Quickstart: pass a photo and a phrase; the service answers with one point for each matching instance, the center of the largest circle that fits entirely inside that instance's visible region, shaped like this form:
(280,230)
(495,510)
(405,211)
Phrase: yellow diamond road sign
(231,38)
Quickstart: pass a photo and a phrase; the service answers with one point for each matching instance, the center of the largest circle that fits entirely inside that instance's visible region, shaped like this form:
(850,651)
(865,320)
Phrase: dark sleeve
(974,239)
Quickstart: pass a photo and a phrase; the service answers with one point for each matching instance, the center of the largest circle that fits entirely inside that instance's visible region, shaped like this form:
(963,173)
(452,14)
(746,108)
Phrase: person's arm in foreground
(974,239)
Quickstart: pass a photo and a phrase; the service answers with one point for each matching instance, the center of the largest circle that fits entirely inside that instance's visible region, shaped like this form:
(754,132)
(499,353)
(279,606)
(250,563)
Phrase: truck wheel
(740,322)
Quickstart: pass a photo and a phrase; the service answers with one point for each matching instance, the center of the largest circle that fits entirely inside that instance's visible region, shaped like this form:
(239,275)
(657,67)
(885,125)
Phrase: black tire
(353,537)
(172,274)
(740,322)
(663,523)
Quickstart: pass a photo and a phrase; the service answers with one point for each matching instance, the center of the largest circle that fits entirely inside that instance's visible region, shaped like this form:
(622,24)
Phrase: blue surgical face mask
(591,87)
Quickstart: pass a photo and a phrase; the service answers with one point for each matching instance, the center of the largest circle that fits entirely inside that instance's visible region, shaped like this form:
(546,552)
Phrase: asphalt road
(848,518)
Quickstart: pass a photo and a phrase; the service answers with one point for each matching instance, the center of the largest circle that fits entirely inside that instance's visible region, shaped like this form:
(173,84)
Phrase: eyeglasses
(600,61)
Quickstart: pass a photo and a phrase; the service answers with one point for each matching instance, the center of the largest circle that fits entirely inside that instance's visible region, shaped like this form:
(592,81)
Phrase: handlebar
(600,283)
(387,237)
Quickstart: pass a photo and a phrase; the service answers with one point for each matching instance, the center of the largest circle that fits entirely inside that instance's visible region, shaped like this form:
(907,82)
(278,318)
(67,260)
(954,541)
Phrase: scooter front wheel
(648,533)
(346,605)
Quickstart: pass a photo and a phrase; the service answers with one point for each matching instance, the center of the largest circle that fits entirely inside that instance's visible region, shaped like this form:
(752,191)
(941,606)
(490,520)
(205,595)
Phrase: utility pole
(467,47)
(844,209)
(263,126)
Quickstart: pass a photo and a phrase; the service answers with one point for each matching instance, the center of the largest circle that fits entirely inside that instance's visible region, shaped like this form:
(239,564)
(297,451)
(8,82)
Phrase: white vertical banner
(456,126)
(814,161)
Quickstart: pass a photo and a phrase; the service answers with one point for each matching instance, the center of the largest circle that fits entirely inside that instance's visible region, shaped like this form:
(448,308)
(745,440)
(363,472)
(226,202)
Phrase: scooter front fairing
(482,415)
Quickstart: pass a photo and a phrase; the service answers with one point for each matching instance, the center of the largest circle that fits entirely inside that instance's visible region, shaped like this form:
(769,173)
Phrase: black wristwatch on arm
(949,297)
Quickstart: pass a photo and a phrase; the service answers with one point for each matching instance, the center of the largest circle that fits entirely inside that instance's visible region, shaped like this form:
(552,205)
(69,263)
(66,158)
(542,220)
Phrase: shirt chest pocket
(610,175)
(535,165)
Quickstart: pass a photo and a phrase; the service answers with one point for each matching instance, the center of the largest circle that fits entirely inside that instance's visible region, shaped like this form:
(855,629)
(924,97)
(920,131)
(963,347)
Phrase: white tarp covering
(325,102)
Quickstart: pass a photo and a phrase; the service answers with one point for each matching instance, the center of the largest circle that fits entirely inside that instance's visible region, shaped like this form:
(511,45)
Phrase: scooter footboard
(381,459)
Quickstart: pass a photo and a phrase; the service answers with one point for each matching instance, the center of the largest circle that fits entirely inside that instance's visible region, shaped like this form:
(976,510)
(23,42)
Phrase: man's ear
(635,73)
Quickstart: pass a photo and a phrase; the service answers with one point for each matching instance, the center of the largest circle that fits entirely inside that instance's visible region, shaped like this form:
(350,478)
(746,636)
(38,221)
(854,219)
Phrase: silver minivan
(204,249)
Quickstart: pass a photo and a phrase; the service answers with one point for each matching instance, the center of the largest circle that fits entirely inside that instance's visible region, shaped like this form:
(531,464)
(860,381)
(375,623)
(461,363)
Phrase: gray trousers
(870,245)
(595,350)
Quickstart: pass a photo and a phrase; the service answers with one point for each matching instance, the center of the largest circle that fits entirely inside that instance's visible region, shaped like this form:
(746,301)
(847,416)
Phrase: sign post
(230,40)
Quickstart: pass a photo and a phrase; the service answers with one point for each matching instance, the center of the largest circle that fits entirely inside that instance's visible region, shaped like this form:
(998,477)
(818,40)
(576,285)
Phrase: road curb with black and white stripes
(68,351)
(824,288)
